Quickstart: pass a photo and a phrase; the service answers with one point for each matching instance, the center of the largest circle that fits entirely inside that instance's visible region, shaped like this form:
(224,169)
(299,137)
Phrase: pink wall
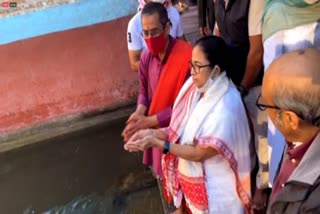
(64,73)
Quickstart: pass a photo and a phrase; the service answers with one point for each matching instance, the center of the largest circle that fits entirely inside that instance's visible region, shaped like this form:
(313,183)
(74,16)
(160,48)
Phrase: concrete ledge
(62,126)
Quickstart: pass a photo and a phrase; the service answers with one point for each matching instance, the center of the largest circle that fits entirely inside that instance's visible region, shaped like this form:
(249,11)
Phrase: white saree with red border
(220,184)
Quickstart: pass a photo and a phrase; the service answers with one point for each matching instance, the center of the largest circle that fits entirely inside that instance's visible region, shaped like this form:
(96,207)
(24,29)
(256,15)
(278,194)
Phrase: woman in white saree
(206,164)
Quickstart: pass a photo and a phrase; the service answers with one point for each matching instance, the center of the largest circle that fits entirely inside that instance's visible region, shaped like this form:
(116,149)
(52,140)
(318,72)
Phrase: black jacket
(206,10)
(232,21)
(301,193)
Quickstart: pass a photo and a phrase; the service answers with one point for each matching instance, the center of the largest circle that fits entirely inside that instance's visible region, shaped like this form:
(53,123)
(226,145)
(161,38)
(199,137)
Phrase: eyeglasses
(316,121)
(263,107)
(152,33)
(196,68)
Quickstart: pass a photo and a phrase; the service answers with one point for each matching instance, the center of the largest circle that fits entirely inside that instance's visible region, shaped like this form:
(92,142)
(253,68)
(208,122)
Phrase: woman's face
(200,67)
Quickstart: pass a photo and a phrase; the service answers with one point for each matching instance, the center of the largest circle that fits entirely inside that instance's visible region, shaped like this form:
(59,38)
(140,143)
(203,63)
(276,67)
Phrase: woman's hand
(142,140)
(140,135)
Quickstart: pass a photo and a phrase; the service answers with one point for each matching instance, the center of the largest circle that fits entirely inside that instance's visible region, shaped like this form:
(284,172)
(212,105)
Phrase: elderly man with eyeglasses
(287,25)
(291,97)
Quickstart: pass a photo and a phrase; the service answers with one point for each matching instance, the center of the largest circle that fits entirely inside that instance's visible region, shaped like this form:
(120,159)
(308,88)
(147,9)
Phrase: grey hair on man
(297,88)
(304,102)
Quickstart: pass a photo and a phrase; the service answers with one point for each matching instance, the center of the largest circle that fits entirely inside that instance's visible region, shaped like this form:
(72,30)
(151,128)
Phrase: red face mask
(156,44)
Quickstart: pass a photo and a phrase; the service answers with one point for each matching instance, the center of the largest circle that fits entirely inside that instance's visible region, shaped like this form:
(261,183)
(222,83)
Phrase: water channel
(85,172)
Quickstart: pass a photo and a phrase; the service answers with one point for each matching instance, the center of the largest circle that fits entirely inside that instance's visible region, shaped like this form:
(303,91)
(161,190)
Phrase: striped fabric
(190,180)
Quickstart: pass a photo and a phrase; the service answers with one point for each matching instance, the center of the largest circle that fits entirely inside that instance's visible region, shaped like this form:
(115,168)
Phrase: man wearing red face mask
(162,72)
(135,40)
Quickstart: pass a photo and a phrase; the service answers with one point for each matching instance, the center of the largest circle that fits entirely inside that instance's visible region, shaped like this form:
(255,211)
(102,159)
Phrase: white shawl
(197,121)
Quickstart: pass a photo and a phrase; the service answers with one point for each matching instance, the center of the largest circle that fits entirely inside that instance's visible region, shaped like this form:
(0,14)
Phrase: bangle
(166,147)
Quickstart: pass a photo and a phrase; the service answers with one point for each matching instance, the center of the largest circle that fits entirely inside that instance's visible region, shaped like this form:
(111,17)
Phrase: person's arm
(134,44)
(253,67)
(134,57)
(254,61)
(189,152)
(211,14)
(161,133)
(202,12)
(255,55)
(202,17)
(151,121)
(200,150)
(138,119)
(180,33)
(143,97)
(164,116)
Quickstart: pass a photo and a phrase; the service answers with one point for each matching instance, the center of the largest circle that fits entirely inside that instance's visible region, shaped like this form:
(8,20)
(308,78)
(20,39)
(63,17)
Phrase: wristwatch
(166,147)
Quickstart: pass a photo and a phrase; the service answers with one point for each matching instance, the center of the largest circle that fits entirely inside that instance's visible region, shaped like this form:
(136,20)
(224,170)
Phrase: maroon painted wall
(64,73)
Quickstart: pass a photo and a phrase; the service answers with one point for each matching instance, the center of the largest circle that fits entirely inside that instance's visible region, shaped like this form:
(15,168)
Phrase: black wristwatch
(166,147)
